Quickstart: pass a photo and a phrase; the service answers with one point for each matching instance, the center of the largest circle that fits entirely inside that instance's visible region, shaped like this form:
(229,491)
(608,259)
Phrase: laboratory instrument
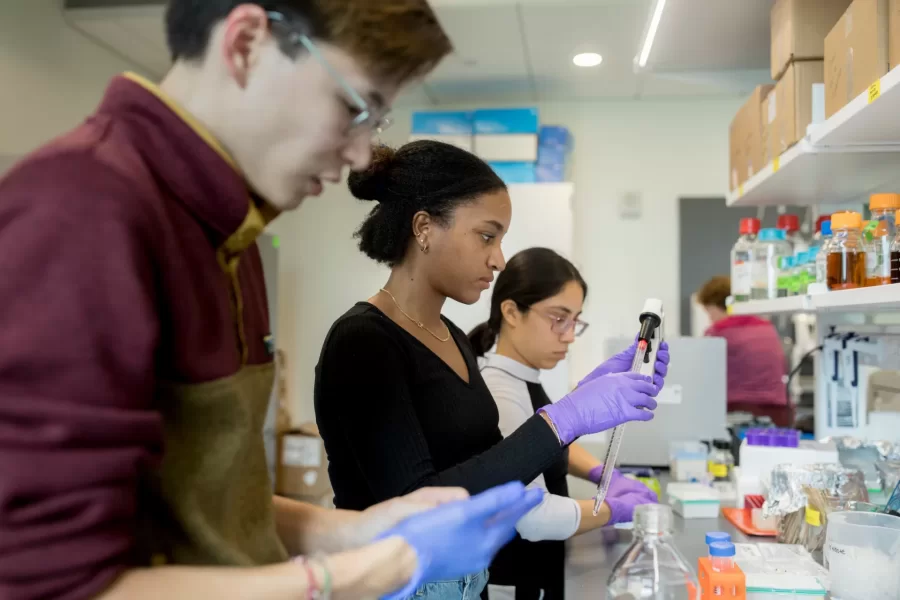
(883,209)
(769,249)
(652,567)
(651,331)
(692,405)
(742,260)
(845,263)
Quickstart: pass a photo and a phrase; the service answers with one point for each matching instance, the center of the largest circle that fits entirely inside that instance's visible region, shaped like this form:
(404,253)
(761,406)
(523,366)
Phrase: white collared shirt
(556,517)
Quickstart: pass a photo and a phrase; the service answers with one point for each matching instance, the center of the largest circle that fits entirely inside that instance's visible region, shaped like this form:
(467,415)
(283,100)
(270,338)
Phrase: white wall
(661,150)
(51,76)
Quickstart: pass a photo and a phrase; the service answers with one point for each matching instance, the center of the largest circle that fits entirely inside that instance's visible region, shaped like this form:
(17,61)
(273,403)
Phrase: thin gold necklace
(420,324)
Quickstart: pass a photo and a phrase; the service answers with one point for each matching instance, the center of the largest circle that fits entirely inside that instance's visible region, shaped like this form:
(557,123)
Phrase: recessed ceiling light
(587,59)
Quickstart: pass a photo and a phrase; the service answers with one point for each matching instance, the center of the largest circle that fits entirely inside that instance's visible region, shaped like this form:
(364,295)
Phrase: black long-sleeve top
(395,417)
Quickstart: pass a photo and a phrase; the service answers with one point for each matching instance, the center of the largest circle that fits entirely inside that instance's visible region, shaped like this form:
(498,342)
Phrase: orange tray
(742,518)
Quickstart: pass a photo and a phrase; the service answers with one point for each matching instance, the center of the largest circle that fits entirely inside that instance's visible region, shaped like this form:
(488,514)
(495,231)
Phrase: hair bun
(371,183)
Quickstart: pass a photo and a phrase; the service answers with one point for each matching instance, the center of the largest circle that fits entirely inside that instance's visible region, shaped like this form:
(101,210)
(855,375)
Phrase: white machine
(692,405)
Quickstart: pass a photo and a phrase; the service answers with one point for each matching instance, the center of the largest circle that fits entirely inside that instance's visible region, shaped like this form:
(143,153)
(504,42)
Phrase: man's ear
(246,28)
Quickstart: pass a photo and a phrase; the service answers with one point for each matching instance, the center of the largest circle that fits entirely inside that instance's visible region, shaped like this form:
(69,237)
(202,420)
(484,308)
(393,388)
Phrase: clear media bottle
(819,236)
(845,266)
(821,255)
(721,558)
(882,231)
(652,567)
(790,225)
(742,260)
(768,250)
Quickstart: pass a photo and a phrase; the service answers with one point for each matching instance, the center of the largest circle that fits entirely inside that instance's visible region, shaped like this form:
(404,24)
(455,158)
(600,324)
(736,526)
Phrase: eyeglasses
(561,325)
(367,119)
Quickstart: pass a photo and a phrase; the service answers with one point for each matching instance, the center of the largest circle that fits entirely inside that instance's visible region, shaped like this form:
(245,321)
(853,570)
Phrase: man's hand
(361,528)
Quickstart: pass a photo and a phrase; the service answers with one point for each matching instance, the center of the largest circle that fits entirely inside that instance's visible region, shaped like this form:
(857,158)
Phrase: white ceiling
(521,50)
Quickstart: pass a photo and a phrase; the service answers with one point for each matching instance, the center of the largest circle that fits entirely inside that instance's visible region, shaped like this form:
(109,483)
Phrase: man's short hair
(397,40)
(715,291)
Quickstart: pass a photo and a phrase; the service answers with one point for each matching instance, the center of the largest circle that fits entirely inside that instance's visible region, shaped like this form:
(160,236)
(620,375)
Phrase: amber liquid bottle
(845,265)
(845,270)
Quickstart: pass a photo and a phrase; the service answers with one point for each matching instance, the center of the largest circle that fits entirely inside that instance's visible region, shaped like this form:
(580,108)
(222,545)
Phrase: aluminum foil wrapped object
(786,493)
(886,450)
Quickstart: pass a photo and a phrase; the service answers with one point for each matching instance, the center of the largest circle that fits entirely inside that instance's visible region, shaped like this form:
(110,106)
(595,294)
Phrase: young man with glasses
(134,369)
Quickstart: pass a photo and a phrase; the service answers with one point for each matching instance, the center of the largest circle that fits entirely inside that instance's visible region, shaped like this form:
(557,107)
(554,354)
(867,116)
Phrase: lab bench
(592,556)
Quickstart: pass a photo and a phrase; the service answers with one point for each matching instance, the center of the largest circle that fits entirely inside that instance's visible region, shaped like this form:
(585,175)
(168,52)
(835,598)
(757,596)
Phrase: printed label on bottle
(813,517)
(717,469)
(741,278)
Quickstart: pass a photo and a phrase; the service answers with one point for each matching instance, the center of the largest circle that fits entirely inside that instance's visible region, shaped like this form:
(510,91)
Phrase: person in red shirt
(135,368)
(756,362)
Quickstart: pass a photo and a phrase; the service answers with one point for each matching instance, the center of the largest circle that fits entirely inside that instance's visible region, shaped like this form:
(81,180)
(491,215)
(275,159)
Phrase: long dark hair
(424,175)
(530,276)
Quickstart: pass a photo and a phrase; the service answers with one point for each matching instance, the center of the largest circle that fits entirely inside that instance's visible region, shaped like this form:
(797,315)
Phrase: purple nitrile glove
(621,508)
(620,485)
(602,404)
(621,363)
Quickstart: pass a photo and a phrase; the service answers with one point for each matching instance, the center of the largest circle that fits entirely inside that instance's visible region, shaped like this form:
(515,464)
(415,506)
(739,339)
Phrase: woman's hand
(621,363)
(602,404)
(623,495)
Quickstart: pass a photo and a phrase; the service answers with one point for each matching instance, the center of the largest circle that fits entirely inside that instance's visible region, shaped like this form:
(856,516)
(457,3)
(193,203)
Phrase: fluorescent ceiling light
(651,33)
(587,59)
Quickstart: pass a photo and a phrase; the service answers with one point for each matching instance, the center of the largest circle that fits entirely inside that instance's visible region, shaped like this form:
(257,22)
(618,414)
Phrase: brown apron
(210,501)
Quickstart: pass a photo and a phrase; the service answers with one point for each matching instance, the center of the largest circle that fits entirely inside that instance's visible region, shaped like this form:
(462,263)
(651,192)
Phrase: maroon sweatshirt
(134,370)
(756,363)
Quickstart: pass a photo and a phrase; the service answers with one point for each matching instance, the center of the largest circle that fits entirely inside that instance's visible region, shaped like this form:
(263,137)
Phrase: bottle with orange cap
(880,234)
(845,266)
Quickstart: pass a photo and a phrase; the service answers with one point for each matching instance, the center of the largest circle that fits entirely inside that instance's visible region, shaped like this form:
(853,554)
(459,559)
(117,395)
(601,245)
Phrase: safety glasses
(367,119)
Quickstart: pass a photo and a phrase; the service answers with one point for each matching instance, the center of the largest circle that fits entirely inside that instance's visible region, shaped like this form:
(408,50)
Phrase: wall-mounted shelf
(851,155)
(872,299)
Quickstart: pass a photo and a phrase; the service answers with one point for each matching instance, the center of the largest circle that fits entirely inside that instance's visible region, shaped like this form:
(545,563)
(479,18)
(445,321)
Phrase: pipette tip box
(694,501)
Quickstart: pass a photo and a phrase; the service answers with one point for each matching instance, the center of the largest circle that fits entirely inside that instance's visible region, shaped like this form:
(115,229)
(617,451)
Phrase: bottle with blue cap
(822,254)
(721,558)
(717,536)
(768,251)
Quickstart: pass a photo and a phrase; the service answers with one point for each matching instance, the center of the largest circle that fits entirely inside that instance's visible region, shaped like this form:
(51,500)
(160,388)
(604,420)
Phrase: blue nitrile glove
(621,363)
(461,538)
(621,508)
(602,404)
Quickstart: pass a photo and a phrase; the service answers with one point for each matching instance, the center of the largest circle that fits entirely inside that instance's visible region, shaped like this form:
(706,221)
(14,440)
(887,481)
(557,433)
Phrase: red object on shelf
(749,225)
(742,518)
(789,223)
(754,501)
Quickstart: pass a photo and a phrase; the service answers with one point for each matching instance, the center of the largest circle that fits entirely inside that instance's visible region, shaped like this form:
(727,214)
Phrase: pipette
(651,320)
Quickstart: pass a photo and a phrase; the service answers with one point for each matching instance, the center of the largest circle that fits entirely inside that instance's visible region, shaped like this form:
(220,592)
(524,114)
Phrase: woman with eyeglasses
(535,315)
(399,398)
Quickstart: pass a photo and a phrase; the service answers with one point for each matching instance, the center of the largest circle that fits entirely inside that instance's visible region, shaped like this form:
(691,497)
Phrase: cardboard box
(746,150)
(302,466)
(795,103)
(894,33)
(799,28)
(856,53)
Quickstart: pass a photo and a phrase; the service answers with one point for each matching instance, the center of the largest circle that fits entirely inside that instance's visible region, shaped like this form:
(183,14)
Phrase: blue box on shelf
(514,172)
(550,173)
(555,137)
(442,123)
(506,120)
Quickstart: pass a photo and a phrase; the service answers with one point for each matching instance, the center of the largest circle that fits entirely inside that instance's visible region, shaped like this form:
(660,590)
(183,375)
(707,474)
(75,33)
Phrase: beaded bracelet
(316,592)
